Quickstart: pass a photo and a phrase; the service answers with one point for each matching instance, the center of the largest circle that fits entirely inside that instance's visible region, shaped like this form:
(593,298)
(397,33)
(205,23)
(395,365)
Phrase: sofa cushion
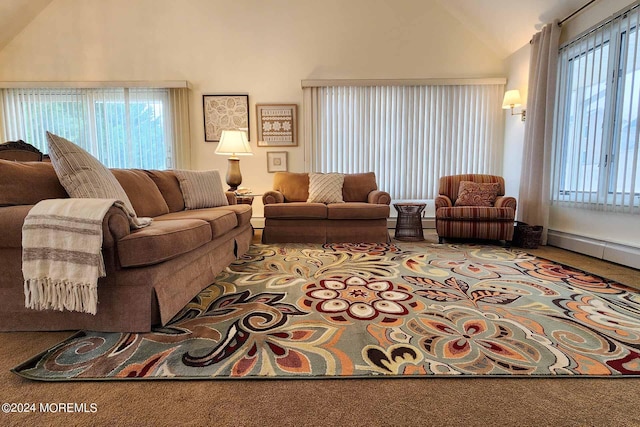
(27,183)
(243,213)
(293,186)
(82,175)
(161,241)
(169,187)
(356,210)
(325,188)
(477,193)
(142,191)
(201,189)
(220,220)
(357,186)
(475,213)
(298,210)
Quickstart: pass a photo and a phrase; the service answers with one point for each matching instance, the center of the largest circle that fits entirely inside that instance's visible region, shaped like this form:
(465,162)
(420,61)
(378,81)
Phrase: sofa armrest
(379,197)
(231,197)
(271,197)
(114,227)
(11,220)
(443,201)
(506,202)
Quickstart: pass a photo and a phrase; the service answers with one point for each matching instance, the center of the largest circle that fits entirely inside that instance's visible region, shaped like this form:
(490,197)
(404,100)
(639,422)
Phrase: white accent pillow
(325,188)
(83,176)
(201,189)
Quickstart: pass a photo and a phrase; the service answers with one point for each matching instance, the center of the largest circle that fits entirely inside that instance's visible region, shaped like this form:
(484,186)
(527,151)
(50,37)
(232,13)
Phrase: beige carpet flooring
(376,402)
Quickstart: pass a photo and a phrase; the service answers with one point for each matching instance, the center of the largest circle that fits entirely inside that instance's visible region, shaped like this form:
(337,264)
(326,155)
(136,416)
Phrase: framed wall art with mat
(277,125)
(224,112)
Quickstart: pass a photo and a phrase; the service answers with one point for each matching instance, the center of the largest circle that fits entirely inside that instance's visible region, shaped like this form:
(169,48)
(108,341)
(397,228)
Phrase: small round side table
(409,222)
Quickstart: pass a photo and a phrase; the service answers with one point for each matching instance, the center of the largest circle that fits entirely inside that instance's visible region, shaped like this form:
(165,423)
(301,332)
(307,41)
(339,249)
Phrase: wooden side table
(246,199)
(409,222)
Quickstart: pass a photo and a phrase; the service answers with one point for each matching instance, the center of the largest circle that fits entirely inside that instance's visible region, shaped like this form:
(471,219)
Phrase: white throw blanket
(62,254)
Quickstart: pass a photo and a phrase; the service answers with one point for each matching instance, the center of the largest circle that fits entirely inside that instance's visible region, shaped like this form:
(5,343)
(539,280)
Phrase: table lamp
(234,143)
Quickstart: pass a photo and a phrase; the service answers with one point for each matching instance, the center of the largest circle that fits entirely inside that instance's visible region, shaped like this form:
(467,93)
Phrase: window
(123,127)
(596,135)
(408,134)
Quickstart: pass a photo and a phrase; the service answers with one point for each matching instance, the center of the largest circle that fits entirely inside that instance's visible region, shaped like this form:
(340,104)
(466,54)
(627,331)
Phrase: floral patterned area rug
(375,310)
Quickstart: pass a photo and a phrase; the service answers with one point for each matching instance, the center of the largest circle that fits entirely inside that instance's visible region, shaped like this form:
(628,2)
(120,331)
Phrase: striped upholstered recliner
(494,222)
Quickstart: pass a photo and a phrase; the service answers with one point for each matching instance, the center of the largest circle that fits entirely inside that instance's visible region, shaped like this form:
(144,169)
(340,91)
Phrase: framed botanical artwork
(277,125)
(224,112)
(276,161)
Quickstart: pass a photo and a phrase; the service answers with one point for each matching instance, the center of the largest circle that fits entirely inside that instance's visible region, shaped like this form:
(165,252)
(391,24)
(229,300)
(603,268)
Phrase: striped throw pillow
(83,176)
(201,189)
(325,188)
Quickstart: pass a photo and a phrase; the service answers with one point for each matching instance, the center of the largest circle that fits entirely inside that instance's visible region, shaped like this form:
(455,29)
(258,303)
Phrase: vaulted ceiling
(15,15)
(503,25)
(507,25)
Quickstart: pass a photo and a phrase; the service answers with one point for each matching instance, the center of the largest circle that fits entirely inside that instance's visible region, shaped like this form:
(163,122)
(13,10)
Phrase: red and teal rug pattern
(375,310)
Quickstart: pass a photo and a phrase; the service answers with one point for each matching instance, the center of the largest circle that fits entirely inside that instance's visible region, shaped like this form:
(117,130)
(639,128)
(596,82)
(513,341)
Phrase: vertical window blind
(409,135)
(123,127)
(596,140)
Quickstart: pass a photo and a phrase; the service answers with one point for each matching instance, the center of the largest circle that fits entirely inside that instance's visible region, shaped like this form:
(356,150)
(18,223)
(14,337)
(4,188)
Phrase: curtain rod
(575,12)
(589,3)
(620,13)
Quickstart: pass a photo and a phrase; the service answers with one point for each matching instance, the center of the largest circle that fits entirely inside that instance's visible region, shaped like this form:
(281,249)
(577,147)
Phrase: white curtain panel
(535,181)
(178,128)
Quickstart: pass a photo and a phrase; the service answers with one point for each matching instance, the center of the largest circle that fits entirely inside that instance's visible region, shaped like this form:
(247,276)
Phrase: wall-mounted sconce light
(511,100)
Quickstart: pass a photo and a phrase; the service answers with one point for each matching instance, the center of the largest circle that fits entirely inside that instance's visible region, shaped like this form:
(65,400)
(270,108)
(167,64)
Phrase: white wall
(517,69)
(263,48)
(616,228)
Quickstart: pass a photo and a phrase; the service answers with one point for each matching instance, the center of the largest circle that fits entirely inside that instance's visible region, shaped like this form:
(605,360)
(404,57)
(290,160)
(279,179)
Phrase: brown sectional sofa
(289,218)
(152,272)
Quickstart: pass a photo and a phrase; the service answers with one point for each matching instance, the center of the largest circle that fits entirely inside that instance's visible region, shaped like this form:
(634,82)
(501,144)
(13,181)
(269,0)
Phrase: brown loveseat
(289,218)
(152,272)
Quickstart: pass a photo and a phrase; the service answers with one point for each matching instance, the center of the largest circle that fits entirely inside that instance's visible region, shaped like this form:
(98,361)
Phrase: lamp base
(234,177)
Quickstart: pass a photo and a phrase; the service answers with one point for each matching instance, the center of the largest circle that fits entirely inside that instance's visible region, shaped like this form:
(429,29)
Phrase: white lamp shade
(234,143)
(511,99)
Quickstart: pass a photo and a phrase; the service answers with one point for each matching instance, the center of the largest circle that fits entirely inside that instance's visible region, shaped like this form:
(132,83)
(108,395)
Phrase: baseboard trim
(257,222)
(614,252)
